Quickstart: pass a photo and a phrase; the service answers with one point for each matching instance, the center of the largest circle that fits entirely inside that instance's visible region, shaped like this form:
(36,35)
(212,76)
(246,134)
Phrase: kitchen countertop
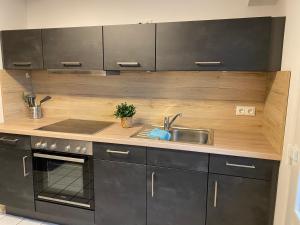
(233,143)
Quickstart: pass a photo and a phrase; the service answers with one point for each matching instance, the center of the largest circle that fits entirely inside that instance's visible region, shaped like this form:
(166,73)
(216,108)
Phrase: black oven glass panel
(62,181)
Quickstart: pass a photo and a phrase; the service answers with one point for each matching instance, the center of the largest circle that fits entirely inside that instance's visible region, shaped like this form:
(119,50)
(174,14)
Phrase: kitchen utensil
(45,99)
(31,100)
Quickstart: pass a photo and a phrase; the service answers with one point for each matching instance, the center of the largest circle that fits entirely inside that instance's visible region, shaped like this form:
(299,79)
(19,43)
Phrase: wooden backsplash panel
(159,85)
(206,99)
(196,113)
(13,84)
(275,108)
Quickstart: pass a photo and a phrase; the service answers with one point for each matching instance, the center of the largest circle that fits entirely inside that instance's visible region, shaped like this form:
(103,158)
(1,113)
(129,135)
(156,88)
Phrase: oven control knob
(83,150)
(67,148)
(44,145)
(53,146)
(77,149)
(38,144)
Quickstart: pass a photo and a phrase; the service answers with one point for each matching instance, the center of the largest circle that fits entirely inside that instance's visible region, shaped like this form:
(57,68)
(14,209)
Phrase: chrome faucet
(168,123)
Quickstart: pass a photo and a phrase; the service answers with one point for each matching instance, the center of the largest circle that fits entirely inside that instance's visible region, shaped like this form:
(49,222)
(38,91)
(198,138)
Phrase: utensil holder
(36,112)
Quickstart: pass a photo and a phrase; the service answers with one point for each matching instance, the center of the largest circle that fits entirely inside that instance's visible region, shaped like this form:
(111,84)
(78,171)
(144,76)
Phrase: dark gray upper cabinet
(22,49)
(237,200)
(176,197)
(233,45)
(16,186)
(73,48)
(120,193)
(129,47)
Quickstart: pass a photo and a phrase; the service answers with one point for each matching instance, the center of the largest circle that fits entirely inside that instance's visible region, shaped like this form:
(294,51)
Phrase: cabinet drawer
(177,159)
(123,153)
(243,167)
(15,141)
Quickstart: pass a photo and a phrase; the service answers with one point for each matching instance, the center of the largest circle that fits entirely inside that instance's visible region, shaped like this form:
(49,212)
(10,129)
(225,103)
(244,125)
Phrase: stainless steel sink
(182,134)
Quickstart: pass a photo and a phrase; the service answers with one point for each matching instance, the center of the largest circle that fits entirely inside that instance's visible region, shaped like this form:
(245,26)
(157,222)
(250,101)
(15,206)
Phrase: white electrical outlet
(245,111)
(239,111)
(250,111)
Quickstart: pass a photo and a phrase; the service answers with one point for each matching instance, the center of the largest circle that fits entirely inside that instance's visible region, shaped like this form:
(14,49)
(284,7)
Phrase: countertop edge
(211,149)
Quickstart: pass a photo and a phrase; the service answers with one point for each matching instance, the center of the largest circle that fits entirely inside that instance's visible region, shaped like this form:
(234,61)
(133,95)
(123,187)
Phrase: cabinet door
(175,197)
(120,193)
(236,201)
(129,47)
(73,48)
(22,49)
(235,44)
(16,186)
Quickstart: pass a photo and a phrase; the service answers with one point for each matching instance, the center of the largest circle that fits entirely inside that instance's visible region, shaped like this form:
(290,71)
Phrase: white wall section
(291,63)
(64,13)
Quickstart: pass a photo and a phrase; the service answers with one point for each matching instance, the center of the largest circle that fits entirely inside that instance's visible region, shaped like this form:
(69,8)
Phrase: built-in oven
(63,172)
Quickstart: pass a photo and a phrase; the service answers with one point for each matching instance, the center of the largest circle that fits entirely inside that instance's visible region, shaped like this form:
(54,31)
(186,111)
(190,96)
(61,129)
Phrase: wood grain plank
(275,109)
(168,85)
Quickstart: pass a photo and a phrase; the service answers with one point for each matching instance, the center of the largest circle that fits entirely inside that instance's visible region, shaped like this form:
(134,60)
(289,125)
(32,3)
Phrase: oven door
(64,178)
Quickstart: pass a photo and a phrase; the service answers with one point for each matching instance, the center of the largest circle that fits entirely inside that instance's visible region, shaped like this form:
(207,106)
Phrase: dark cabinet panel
(175,197)
(234,44)
(123,153)
(73,48)
(177,159)
(129,47)
(22,49)
(236,201)
(16,186)
(120,193)
(243,167)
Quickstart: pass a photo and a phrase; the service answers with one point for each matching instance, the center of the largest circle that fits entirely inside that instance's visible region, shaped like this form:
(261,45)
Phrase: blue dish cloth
(159,134)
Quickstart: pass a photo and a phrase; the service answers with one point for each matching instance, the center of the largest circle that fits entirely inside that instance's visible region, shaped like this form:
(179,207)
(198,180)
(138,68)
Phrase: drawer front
(123,153)
(64,214)
(177,159)
(243,167)
(15,141)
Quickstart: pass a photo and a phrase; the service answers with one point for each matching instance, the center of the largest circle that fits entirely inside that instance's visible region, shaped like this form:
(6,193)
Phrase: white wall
(291,63)
(60,13)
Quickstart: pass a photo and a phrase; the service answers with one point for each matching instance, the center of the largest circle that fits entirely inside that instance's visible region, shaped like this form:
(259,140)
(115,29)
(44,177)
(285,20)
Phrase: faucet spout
(168,123)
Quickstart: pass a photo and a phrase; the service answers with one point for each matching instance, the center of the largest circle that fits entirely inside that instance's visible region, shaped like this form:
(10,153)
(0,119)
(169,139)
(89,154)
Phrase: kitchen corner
(217,91)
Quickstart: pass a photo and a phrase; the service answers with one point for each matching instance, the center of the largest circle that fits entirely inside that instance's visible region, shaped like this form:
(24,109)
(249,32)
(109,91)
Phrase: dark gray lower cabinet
(175,197)
(237,200)
(120,193)
(16,186)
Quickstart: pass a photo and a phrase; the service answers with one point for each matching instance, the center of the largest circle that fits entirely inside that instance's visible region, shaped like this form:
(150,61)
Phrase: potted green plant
(125,112)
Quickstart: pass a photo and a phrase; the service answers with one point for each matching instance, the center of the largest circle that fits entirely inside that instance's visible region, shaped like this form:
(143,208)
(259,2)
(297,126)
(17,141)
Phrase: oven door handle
(56,157)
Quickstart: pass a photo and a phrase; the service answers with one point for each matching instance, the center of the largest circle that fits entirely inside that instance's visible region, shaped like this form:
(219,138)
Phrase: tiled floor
(14,220)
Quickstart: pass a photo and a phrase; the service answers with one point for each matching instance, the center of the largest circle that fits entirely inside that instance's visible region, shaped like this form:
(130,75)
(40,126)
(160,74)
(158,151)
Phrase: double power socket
(245,111)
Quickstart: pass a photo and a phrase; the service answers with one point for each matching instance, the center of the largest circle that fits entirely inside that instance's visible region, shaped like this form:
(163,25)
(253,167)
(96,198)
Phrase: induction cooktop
(77,126)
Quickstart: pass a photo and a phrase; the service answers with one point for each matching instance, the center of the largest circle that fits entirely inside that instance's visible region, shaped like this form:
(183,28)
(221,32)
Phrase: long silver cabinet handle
(128,64)
(208,63)
(240,165)
(24,166)
(22,63)
(77,64)
(216,194)
(152,184)
(56,157)
(117,152)
(10,141)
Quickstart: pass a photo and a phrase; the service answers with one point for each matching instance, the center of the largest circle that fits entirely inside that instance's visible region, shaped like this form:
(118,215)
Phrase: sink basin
(182,134)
